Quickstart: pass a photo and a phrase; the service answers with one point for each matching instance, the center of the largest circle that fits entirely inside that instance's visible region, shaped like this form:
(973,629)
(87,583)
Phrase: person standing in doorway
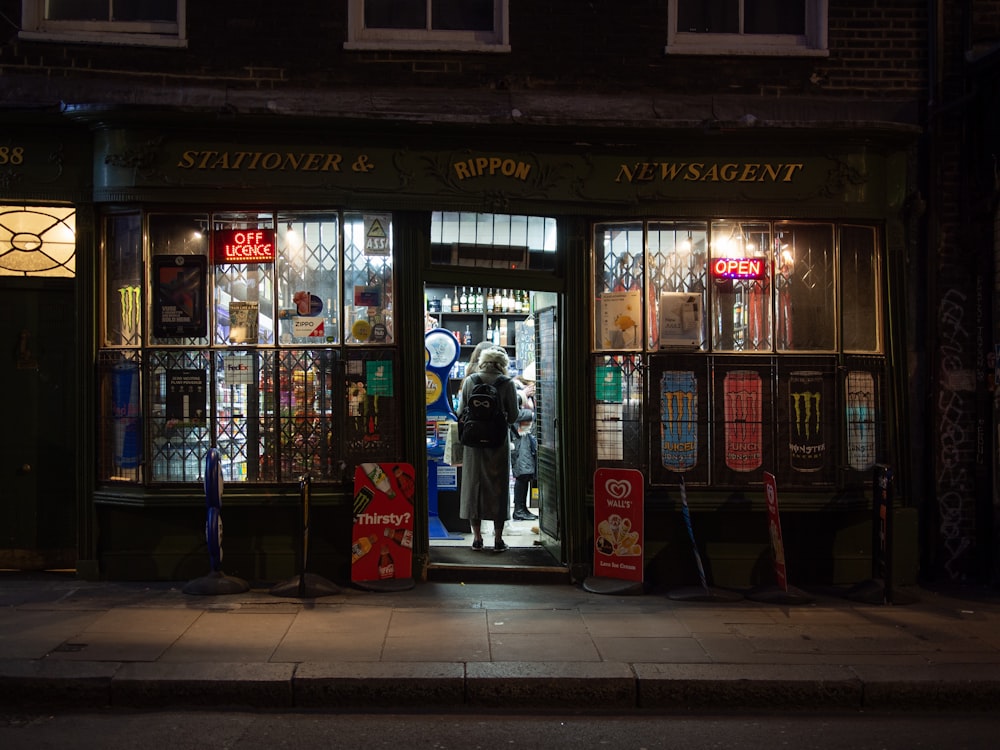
(523,460)
(486,471)
(524,456)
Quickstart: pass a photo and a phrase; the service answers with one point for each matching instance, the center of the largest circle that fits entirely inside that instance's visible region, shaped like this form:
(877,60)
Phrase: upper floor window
(460,25)
(134,22)
(747,27)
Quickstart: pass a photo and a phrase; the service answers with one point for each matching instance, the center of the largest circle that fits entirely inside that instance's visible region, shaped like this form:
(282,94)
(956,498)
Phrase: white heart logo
(618,488)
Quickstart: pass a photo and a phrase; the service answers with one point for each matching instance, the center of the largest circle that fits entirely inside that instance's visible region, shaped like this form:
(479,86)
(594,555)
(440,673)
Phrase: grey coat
(485,493)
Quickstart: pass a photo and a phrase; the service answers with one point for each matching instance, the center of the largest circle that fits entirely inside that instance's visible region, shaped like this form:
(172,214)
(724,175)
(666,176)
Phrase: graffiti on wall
(956,448)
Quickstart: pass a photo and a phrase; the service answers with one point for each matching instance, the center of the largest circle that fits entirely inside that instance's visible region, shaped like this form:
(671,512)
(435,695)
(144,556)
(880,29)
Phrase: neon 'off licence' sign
(738,268)
(243,246)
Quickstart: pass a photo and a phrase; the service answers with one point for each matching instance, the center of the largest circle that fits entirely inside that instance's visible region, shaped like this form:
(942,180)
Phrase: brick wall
(876,49)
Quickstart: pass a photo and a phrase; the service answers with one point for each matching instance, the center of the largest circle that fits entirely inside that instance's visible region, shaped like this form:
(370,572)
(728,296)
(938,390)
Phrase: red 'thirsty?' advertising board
(618,517)
(382,541)
(774,527)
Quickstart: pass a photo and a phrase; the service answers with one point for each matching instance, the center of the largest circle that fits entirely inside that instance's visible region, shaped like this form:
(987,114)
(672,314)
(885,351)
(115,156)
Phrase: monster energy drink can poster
(681,447)
(807,426)
(744,444)
(618,524)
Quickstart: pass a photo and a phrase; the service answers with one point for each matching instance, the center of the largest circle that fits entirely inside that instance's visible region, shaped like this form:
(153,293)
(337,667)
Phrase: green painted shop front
(146,528)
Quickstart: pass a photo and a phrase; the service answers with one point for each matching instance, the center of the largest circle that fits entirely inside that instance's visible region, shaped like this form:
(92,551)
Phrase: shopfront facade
(720,306)
(45,195)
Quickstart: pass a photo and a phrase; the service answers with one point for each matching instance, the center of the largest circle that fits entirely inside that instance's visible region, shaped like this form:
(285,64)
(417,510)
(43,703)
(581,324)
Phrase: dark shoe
(477,544)
(500,546)
(524,515)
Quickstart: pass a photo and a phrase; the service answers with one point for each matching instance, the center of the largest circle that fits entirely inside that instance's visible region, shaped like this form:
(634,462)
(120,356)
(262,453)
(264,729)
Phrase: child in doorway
(523,459)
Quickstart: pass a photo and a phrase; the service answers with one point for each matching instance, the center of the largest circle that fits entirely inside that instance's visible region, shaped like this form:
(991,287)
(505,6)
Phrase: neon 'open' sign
(738,268)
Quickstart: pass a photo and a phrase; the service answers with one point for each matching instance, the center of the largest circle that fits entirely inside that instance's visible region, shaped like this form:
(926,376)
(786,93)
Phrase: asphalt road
(248,731)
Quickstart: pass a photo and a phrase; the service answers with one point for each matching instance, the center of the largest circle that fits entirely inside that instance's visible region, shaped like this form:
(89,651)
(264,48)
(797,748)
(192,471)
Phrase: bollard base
(778,595)
(305,586)
(387,585)
(216,583)
(618,586)
(703,594)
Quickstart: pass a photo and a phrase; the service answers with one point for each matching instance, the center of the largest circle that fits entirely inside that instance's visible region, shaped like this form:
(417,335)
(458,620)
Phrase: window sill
(428,46)
(109,39)
(744,51)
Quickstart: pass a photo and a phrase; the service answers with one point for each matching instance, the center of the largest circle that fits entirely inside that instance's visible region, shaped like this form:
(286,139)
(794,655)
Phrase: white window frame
(35,27)
(361,38)
(811,44)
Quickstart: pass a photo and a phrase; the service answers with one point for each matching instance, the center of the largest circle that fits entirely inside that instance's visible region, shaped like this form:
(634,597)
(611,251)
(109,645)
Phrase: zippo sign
(618,519)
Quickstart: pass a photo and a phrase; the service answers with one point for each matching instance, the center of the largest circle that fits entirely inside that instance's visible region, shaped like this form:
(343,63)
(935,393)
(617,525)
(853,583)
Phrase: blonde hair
(476,357)
(495,358)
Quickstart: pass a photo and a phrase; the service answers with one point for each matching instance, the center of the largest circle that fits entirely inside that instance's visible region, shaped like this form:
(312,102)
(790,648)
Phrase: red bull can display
(678,420)
(806,437)
(742,395)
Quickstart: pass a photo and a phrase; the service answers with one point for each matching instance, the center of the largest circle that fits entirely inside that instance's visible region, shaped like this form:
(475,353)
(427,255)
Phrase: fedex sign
(243,246)
(738,268)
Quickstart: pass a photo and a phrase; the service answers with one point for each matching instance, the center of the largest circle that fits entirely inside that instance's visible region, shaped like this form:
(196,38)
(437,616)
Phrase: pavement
(67,643)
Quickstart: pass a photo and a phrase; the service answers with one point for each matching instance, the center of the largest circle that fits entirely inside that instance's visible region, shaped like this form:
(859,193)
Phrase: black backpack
(482,423)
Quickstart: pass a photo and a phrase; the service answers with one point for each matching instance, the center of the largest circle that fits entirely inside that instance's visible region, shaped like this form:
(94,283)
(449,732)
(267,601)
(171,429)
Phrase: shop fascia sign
(242,246)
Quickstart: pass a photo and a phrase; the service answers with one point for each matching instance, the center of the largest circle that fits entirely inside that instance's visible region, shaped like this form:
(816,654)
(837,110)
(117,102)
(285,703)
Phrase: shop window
(783,372)
(617,420)
(619,275)
(677,259)
(308,278)
(123,281)
(747,27)
(136,22)
(37,241)
(231,337)
(511,242)
(368,290)
(174,238)
(860,292)
(461,25)
(243,291)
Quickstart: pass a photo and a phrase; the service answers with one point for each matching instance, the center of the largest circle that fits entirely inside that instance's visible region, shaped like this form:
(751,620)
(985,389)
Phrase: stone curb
(538,686)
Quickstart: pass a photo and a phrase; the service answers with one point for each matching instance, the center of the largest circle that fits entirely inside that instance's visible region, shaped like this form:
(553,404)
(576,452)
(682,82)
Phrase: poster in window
(680,448)
(243,322)
(186,396)
(179,309)
(807,422)
(743,440)
(620,319)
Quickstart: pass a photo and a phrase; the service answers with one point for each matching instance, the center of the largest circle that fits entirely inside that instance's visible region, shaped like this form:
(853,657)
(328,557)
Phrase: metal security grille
(618,388)
(120,454)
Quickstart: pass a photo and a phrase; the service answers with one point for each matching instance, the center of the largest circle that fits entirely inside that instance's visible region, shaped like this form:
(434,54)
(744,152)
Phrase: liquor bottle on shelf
(502,338)
(456,301)
(467,336)
(497,301)
(479,300)
(490,331)
(464,301)
(446,303)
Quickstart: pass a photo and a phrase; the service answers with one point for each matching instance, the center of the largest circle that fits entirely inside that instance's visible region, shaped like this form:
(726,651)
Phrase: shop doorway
(522,323)
(38,447)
